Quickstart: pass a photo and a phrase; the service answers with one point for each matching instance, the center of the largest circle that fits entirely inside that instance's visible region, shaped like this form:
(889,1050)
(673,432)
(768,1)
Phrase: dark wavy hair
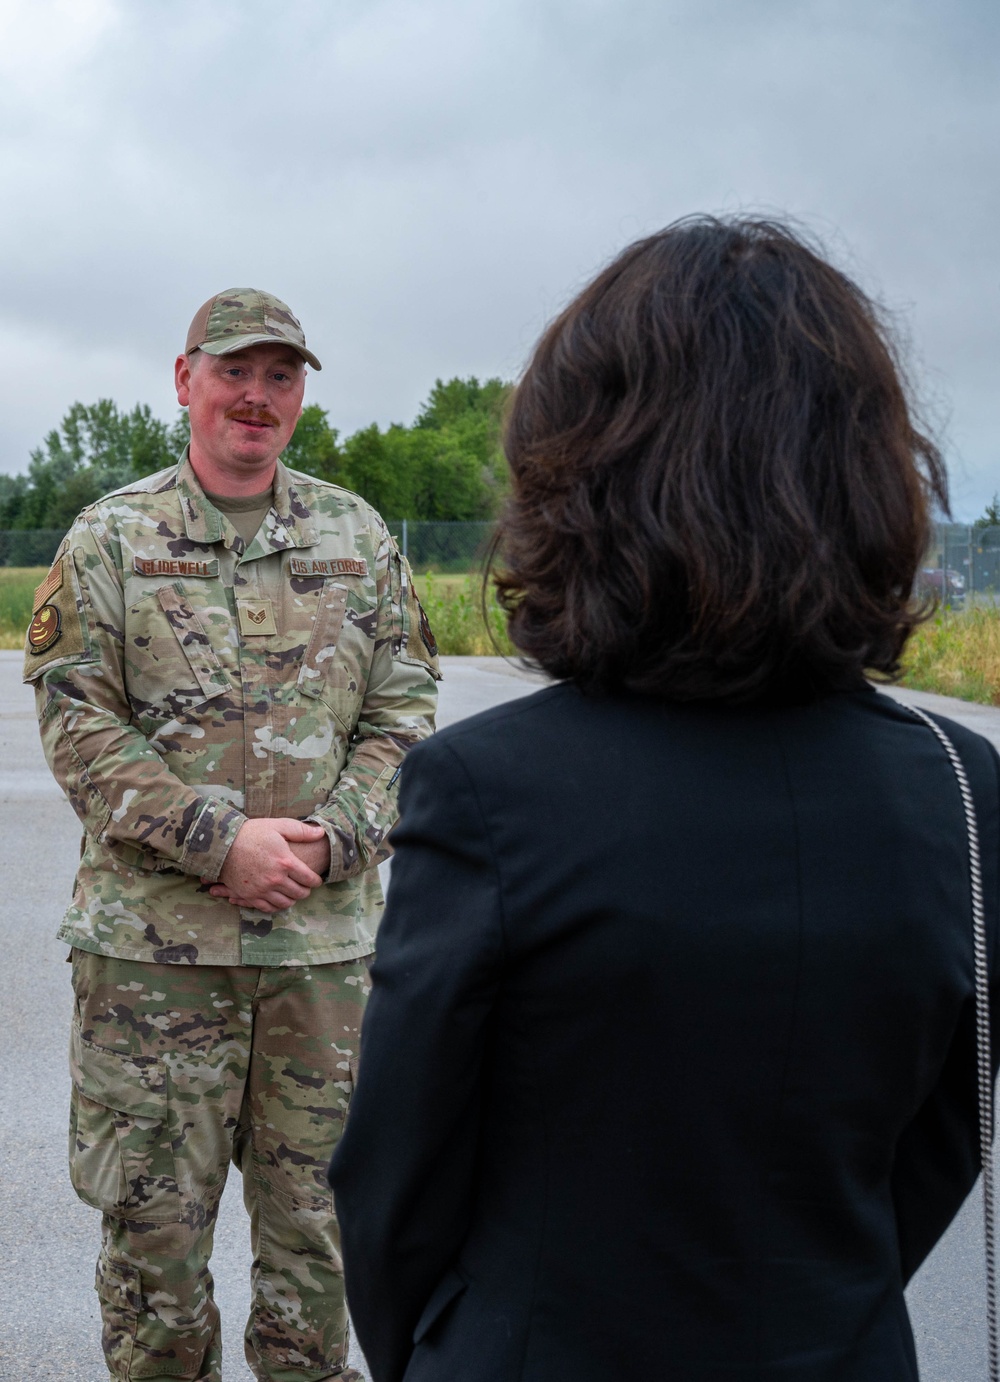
(718,487)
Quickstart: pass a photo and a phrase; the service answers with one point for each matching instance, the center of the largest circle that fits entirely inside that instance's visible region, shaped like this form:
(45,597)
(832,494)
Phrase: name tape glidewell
(175,566)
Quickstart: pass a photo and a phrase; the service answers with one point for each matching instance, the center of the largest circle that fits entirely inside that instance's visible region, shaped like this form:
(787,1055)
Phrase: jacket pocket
(315,675)
(194,640)
(121,1159)
(171,666)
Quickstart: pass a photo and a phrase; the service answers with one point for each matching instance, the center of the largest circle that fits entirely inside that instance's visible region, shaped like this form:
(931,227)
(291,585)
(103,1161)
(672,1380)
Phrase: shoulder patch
(426,633)
(47,588)
(56,633)
(413,640)
(44,629)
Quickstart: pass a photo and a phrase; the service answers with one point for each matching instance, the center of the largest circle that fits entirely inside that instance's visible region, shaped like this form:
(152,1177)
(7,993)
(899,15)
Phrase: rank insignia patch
(44,629)
(256,616)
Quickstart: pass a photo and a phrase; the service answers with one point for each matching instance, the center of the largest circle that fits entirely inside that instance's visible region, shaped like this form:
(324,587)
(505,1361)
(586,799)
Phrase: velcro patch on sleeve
(331,566)
(426,634)
(55,633)
(44,629)
(48,587)
(419,643)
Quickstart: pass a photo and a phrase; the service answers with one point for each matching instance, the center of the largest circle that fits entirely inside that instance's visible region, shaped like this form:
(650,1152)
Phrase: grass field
(17,586)
(957,654)
(954,654)
(451,602)
(453,606)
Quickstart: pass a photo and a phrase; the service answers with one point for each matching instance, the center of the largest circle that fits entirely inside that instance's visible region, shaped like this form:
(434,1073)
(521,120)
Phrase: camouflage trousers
(178,1070)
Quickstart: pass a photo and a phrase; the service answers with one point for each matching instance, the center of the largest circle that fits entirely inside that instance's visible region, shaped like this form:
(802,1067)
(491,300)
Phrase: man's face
(243,409)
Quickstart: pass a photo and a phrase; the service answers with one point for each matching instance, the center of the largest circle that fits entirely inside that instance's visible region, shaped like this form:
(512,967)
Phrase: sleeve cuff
(345,860)
(210,839)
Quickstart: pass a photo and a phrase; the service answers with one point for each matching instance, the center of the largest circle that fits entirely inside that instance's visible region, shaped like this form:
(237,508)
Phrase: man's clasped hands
(272,863)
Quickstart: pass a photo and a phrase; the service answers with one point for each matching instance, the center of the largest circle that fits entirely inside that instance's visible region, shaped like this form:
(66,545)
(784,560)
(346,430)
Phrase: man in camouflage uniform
(230,663)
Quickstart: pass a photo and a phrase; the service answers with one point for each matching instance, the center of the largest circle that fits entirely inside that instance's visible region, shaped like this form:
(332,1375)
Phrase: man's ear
(182,380)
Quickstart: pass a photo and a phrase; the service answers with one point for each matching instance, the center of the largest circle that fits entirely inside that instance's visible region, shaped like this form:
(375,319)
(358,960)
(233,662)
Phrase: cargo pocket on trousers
(121,1159)
(142,1333)
(119,1289)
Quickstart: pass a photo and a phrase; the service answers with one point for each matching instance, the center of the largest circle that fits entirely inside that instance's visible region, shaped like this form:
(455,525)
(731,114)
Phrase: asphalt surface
(49,1321)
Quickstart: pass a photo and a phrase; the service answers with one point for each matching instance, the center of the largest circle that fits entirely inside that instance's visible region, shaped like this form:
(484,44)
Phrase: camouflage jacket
(185,683)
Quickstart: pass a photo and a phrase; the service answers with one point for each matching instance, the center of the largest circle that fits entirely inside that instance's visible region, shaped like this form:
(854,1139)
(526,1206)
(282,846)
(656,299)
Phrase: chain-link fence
(33,547)
(444,547)
(962,565)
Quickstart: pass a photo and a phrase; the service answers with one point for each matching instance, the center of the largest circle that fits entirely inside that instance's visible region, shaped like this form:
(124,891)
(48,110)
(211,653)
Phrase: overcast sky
(426,181)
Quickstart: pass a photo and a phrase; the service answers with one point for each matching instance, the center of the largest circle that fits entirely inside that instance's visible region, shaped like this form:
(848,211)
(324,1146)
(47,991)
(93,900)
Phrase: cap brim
(233,343)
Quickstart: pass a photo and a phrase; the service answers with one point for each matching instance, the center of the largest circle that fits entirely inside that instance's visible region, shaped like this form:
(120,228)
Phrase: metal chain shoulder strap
(982,1036)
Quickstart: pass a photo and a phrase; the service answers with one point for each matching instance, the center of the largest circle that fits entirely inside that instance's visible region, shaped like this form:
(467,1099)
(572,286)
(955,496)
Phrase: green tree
(468,418)
(178,436)
(13,489)
(96,448)
(449,478)
(313,447)
(990,517)
(377,466)
(448,466)
(459,399)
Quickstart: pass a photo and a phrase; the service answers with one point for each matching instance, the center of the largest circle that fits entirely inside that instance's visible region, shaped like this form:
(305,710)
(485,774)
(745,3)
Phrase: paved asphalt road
(49,1324)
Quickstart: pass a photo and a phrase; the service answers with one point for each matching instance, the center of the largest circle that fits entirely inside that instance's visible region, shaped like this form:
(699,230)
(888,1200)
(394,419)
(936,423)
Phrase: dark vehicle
(948,586)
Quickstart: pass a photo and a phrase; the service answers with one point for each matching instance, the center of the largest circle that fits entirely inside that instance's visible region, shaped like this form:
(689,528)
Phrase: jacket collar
(289,523)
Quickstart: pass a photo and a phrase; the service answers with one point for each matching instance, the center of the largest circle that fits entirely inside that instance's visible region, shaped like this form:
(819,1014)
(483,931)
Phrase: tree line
(447,466)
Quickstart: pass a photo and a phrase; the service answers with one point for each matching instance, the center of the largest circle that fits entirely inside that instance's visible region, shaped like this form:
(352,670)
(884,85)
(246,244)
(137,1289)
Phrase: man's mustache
(253,415)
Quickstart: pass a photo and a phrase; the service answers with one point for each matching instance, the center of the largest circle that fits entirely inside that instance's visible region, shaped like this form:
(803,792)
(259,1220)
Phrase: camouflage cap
(242,317)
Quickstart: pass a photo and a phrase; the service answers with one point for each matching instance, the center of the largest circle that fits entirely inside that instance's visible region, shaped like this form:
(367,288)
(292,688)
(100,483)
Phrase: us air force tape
(327,566)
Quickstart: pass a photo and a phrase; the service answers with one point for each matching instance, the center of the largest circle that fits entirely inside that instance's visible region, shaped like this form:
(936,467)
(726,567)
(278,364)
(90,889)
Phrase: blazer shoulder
(974,749)
(523,714)
(500,733)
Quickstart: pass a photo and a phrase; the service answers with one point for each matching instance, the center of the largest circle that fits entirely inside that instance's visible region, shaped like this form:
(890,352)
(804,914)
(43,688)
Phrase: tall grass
(957,654)
(454,608)
(17,589)
(452,603)
(954,654)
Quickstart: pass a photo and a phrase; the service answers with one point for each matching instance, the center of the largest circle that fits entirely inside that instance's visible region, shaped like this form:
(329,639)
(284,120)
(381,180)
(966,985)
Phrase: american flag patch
(49,586)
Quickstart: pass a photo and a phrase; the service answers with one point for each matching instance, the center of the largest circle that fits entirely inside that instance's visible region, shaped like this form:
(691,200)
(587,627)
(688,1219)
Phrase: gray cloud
(426,183)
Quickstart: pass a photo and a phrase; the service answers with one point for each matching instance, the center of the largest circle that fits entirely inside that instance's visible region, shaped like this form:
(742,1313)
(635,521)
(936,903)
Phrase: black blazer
(669,1067)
